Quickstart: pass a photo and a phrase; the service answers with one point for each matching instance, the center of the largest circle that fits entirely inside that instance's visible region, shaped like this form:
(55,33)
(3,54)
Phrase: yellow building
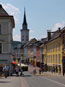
(53,51)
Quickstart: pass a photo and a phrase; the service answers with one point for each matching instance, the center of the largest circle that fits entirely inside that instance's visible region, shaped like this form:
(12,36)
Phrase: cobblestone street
(10,82)
(30,80)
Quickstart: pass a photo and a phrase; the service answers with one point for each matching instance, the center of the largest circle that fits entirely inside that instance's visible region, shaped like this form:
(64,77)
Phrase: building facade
(16,53)
(53,51)
(6,29)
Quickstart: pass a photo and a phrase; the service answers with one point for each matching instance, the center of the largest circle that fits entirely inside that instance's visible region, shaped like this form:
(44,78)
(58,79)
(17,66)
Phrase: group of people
(4,70)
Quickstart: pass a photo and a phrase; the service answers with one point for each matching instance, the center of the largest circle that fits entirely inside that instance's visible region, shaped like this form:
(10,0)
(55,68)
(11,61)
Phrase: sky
(41,15)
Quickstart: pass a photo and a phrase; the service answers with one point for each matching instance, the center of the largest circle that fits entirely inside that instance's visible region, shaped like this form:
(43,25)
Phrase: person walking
(17,70)
(21,72)
(6,69)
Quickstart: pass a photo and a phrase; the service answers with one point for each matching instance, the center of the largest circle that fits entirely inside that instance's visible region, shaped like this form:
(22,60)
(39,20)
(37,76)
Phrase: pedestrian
(39,71)
(21,72)
(34,71)
(6,69)
(17,70)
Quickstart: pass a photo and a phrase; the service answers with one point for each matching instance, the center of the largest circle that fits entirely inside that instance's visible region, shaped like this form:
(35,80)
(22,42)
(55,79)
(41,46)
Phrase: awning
(13,62)
(23,65)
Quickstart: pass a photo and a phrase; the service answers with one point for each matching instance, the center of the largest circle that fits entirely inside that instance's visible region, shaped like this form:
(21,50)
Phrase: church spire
(24,30)
(24,19)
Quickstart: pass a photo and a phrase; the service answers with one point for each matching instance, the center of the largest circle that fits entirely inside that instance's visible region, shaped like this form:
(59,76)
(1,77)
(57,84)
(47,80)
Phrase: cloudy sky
(42,15)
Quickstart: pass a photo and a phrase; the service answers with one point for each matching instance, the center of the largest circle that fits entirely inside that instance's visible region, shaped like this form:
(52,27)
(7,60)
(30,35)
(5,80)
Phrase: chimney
(0,6)
(59,29)
(49,34)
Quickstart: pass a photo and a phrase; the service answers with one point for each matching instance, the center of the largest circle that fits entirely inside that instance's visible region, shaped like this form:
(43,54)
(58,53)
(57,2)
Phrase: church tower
(24,30)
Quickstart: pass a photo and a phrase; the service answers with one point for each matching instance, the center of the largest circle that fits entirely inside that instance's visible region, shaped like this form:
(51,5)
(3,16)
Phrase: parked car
(24,67)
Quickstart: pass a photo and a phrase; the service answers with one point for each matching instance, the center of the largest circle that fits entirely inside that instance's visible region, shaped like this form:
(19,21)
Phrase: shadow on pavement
(26,75)
(4,82)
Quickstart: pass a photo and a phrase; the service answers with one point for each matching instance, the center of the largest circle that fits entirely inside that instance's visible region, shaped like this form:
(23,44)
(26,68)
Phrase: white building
(6,28)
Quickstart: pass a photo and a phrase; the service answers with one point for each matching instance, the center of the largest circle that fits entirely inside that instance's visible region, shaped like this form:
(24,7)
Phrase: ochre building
(53,50)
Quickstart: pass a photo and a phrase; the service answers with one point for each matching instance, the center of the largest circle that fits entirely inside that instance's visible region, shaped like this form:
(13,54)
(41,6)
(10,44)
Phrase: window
(52,48)
(0,28)
(59,58)
(26,38)
(22,39)
(22,36)
(59,46)
(48,58)
(56,47)
(0,48)
(51,58)
(56,58)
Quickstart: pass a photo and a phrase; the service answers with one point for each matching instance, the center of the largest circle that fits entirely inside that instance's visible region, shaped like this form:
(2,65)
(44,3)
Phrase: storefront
(63,61)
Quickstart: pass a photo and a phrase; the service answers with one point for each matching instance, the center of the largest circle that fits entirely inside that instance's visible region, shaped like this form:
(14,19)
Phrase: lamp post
(42,58)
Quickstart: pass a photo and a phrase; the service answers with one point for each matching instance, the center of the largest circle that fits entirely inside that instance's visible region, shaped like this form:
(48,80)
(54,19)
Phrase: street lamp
(43,58)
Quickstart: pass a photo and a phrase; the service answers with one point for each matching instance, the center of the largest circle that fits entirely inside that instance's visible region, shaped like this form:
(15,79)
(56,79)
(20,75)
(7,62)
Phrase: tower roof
(24,20)
(2,11)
